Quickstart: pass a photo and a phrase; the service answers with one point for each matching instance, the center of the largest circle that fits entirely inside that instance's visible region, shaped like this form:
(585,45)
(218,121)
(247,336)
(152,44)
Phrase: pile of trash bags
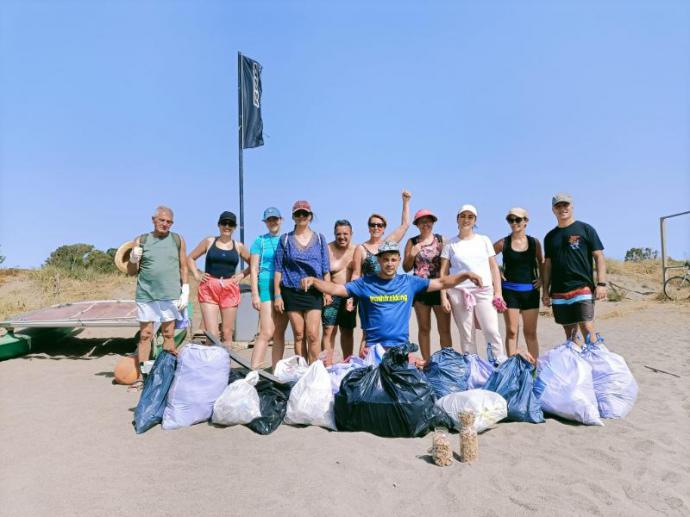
(586,384)
(384,393)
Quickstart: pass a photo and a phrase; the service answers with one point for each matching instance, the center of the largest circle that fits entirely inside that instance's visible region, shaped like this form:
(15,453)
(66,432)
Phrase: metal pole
(240,142)
(662,229)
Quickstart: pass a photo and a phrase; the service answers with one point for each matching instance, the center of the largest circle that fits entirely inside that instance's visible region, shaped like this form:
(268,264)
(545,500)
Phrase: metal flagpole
(240,142)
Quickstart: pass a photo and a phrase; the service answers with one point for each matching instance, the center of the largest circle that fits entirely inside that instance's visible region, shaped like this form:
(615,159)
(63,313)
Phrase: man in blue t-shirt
(386,298)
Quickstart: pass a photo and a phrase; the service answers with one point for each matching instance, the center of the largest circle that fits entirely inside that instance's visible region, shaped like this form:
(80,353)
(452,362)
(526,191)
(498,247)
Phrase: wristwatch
(601,284)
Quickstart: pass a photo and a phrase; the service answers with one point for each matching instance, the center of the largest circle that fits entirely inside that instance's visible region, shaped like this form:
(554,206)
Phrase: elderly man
(386,298)
(158,261)
(340,313)
(569,286)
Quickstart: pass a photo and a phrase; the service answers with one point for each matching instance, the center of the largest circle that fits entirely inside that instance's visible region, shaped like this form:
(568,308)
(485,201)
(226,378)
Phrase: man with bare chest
(341,312)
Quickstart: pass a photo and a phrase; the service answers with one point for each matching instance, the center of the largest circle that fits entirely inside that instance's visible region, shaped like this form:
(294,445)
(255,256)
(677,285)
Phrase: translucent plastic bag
(488,407)
(200,378)
(514,382)
(239,403)
(565,383)
(338,371)
(291,369)
(446,372)
(149,410)
(374,355)
(479,371)
(614,384)
(311,399)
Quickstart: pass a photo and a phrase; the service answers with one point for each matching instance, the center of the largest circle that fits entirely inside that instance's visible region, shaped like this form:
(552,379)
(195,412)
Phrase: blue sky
(108,109)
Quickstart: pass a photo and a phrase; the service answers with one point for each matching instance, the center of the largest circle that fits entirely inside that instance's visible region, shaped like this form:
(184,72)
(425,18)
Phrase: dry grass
(25,290)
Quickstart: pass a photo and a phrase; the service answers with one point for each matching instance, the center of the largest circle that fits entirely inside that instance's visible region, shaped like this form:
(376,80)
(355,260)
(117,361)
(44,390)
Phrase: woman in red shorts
(219,283)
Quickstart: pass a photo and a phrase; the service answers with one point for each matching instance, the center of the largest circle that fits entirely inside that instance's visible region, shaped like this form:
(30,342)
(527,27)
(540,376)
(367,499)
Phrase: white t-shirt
(470,255)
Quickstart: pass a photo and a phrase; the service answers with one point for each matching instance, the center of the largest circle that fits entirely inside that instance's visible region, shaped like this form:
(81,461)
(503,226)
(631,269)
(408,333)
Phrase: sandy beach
(68,447)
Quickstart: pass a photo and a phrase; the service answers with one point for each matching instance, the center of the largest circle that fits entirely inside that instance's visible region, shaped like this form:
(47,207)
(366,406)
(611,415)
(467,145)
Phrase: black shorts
(297,300)
(428,298)
(523,300)
(337,314)
(573,313)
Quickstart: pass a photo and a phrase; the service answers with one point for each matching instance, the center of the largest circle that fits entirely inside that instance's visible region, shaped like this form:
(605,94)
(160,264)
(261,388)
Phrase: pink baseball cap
(301,205)
(424,212)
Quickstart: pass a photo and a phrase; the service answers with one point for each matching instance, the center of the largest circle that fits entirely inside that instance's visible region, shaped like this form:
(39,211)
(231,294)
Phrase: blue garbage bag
(614,384)
(149,410)
(514,382)
(388,400)
(447,372)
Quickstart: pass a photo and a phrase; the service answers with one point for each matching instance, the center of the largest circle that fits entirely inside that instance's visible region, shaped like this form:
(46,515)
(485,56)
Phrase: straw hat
(122,255)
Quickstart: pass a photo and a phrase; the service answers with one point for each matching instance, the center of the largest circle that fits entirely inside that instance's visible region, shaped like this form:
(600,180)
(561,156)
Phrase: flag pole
(240,143)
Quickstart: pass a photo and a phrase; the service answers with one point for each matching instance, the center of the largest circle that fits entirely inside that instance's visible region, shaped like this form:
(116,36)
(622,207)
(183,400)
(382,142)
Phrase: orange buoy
(126,370)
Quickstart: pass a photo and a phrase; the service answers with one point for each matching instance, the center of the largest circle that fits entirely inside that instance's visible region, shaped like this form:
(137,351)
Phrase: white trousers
(487,316)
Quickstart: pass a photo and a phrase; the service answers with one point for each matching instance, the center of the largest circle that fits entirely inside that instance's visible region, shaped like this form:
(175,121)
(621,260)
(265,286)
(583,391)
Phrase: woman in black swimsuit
(523,264)
(219,283)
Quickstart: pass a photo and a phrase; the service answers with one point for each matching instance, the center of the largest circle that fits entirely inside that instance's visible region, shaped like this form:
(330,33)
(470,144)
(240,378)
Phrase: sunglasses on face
(301,213)
(377,225)
(515,220)
(227,223)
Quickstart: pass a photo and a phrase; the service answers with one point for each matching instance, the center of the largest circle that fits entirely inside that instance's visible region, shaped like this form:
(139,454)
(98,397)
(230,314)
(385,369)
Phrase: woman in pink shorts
(219,283)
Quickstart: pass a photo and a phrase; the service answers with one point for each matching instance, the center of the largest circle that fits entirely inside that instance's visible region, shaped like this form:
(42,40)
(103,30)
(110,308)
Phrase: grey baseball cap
(561,197)
(388,247)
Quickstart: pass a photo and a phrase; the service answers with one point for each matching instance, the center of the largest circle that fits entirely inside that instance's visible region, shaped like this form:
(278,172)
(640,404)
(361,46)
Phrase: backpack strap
(178,240)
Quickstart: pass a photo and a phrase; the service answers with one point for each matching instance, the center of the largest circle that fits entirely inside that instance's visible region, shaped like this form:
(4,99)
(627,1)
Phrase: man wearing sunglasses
(158,260)
(569,287)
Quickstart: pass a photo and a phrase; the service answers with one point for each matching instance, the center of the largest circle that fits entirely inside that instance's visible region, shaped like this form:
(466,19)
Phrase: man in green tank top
(158,261)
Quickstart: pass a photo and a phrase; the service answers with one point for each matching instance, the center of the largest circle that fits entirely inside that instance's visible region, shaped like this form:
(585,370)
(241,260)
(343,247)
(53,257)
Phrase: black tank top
(221,263)
(520,266)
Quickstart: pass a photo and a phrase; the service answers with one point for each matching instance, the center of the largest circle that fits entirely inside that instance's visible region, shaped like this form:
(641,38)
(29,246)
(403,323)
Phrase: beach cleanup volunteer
(569,287)
(158,260)
(386,299)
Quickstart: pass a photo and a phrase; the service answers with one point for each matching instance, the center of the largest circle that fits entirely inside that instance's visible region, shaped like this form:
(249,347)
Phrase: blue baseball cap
(271,212)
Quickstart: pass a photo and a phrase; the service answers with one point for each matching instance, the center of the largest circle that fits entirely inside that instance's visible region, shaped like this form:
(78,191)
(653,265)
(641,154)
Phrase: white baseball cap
(467,208)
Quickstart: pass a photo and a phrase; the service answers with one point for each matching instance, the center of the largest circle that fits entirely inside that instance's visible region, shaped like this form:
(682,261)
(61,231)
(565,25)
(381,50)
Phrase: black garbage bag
(513,380)
(387,400)
(273,398)
(447,372)
(149,410)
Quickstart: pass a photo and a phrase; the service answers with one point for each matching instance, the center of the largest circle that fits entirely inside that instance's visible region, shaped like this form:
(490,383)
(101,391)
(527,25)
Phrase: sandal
(136,386)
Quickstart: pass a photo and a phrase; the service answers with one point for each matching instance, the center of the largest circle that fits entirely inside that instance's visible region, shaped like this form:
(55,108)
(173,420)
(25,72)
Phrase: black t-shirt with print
(570,250)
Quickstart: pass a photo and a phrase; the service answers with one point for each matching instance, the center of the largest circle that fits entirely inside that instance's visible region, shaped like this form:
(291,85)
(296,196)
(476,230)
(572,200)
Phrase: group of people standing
(319,286)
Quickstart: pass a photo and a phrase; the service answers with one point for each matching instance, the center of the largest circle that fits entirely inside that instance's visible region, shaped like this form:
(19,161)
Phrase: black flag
(250,102)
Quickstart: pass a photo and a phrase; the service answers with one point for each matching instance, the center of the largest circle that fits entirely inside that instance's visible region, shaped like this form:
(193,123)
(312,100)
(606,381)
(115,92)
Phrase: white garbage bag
(291,369)
(239,403)
(488,407)
(311,399)
(565,385)
(614,384)
(200,377)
